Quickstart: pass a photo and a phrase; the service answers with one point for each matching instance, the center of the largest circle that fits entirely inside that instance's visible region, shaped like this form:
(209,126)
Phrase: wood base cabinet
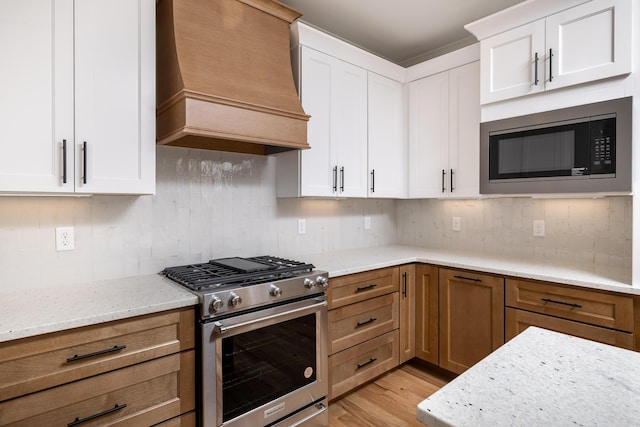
(138,371)
(471,317)
(427,313)
(596,315)
(407,312)
(364,337)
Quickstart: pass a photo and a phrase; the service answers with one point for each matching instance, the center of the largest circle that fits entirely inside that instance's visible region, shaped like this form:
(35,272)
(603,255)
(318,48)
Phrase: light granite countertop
(542,378)
(39,311)
(51,309)
(341,263)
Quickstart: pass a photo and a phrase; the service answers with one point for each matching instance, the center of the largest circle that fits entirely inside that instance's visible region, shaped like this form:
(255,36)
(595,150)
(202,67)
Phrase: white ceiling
(403,31)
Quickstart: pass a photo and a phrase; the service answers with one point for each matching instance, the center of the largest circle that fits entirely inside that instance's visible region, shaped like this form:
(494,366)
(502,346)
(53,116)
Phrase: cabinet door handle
(550,65)
(570,304)
(404,285)
(84,162)
(366,322)
(366,288)
(443,175)
(342,179)
(64,161)
(368,362)
(535,70)
(473,279)
(98,415)
(451,178)
(335,179)
(96,353)
(373,180)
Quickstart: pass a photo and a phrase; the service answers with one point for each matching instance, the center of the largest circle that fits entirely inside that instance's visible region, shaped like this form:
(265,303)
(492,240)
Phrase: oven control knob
(322,281)
(275,291)
(308,283)
(216,304)
(234,300)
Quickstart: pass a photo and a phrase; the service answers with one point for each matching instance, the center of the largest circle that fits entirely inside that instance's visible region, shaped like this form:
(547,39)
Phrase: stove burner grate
(236,271)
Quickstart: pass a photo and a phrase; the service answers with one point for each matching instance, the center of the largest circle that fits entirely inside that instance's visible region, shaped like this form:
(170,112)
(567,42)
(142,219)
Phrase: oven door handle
(221,329)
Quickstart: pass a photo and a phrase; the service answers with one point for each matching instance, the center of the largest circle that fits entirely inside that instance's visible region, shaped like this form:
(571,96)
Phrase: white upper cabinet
(386,146)
(356,128)
(444,138)
(83,75)
(584,43)
(334,93)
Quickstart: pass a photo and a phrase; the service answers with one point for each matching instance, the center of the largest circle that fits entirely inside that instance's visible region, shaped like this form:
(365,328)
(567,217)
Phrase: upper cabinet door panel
(36,105)
(349,128)
(508,63)
(317,177)
(429,136)
(589,42)
(386,137)
(114,66)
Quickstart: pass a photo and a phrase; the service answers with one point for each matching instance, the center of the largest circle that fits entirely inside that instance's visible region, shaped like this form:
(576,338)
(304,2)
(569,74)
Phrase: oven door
(261,367)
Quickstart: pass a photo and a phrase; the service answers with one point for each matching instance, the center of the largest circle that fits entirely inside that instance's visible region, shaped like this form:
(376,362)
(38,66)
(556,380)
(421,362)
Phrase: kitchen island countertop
(542,378)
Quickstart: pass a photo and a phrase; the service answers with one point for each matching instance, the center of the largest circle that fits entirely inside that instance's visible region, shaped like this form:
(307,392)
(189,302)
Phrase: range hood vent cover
(224,76)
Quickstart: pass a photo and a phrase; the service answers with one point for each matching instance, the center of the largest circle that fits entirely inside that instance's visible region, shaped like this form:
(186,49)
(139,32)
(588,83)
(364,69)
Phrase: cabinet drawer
(143,394)
(357,365)
(519,320)
(582,305)
(358,287)
(36,363)
(356,323)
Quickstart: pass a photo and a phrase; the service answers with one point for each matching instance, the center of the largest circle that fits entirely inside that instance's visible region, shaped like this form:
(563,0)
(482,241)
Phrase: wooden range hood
(224,76)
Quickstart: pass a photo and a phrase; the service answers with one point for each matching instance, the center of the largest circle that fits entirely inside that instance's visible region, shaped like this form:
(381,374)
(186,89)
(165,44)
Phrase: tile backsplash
(210,204)
(207,204)
(589,231)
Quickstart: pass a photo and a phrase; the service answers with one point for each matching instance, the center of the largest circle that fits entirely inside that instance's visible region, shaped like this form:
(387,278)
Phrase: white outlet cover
(65,239)
(367,223)
(455,223)
(302,226)
(538,228)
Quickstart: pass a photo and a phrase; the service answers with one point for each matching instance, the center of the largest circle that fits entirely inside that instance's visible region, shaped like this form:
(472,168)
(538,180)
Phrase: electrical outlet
(302,226)
(367,223)
(455,223)
(538,227)
(65,239)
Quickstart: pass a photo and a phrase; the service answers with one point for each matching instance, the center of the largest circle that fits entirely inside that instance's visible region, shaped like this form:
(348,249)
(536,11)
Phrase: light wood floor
(389,401)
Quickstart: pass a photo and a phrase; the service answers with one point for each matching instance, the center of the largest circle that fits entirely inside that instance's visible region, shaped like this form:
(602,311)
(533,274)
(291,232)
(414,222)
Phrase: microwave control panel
(603,146)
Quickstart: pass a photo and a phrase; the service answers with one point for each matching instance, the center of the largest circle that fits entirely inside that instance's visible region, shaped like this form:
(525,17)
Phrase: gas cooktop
(235,272)
(233,285)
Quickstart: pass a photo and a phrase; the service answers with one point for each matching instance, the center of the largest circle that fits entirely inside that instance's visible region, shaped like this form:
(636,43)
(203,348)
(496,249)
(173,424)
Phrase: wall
(589,231)
(207,204)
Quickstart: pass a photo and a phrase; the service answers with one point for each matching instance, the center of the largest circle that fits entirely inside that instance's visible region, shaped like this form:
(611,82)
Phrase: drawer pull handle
(93,417)
(570,304)
(368,362)
(366,322)
(473,279)
(366,288)
(97,353)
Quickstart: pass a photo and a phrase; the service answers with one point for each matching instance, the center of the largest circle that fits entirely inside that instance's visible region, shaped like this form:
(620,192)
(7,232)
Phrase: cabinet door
(471,317)
(407,312)
(428,135)
(349,127)
(508,63)
(36,105)
(464,134)
(386,137)
(317,163)
(427,313)
(589,42)
(115,96)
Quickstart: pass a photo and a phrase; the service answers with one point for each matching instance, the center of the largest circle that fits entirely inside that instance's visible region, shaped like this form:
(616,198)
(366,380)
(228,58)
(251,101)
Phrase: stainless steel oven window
(260,367)
(265,364)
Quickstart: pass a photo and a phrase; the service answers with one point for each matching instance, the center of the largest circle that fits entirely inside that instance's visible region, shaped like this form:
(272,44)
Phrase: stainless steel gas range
(263,341)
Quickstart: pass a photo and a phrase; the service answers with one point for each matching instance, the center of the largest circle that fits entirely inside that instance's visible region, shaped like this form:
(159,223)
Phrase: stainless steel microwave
(573,150)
